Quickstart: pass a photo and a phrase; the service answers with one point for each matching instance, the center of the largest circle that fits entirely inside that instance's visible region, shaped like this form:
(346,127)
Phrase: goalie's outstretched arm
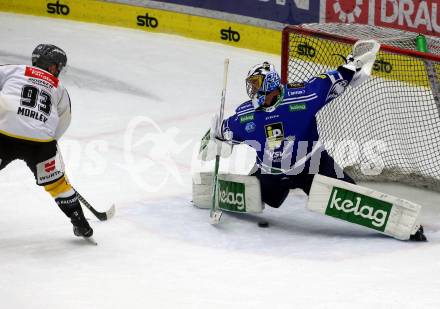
(354,72)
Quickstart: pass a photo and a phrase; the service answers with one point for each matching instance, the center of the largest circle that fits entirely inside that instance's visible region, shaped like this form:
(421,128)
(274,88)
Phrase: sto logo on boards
(147,21)
(229,35)
(305,49)
(382,65)
(57,8)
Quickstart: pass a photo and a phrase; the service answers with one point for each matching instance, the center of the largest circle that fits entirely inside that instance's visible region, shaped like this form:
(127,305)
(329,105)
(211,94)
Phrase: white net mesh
(388,36)
(387,129)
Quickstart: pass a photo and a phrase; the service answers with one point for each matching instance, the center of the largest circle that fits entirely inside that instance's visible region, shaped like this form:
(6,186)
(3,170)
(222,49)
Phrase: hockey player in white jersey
(35,112)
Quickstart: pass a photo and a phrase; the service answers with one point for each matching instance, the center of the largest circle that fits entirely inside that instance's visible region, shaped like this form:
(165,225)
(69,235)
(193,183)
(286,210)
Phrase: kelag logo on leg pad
(358,209)
(231,196)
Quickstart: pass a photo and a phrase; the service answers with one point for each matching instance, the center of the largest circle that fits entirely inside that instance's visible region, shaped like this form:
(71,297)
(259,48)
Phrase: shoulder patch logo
(295,85)
(337,89)
(297,107)
(43,75)
(296,92)
(244,106)
(247,118)
(250,127)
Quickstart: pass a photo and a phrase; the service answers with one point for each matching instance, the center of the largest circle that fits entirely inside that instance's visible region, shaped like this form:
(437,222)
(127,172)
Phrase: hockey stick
(102,216)
(215,213)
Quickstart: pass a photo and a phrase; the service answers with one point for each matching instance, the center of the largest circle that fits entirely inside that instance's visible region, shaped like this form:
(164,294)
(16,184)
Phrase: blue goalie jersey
(285,135)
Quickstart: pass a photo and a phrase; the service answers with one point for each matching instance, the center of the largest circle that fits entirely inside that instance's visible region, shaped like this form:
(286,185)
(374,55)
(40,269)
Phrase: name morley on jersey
(31,98)
(31,114)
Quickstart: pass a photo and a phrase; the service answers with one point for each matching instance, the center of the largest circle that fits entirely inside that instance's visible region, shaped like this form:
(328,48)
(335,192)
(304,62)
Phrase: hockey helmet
(261,80)
(45,55)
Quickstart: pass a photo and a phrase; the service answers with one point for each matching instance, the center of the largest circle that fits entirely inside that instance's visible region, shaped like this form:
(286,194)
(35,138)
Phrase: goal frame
(393,171)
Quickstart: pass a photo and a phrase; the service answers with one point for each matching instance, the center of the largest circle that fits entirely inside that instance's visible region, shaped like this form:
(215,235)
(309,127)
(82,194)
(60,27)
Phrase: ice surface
(141,101)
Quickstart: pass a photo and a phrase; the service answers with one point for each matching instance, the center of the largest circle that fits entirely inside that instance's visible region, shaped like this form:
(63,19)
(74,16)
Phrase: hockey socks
(72,209)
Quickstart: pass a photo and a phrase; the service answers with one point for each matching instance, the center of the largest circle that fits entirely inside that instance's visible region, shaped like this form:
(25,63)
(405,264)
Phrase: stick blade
(103,216)
(111,212)
(215,216)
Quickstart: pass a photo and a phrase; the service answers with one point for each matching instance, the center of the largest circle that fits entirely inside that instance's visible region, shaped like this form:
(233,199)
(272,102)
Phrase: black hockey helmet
(45,55)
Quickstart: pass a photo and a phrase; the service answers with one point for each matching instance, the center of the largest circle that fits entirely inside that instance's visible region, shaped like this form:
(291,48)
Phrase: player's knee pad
(237,193)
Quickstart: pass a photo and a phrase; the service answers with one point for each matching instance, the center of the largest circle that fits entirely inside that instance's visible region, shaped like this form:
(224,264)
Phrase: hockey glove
(362,60)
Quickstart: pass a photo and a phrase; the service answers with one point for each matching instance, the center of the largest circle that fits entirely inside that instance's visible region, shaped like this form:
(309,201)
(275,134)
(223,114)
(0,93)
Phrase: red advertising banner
(346,11)
(422,16)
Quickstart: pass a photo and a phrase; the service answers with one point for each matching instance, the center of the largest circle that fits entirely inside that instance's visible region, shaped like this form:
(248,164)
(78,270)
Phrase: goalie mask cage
(388,128)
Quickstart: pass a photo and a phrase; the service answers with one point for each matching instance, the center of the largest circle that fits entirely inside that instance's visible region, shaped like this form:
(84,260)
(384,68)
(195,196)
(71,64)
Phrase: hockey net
(387,129)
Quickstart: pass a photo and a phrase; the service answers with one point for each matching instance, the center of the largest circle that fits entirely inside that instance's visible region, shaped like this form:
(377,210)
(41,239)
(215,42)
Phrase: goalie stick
(215,213)
(102,216)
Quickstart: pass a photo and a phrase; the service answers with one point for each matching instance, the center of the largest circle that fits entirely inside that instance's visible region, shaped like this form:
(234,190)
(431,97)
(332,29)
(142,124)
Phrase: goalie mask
(261,80)
(45,55)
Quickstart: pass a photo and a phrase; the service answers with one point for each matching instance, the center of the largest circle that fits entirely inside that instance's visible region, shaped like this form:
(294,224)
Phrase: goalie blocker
(371,209)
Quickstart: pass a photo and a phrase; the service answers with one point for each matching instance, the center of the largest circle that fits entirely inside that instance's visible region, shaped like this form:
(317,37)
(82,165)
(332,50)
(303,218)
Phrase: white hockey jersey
(34,105)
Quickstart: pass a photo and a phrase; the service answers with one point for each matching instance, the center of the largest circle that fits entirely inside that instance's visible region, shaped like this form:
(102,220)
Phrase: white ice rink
(141,102)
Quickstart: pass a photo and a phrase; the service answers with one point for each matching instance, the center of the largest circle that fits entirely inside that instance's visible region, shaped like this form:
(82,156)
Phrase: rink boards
(152,20)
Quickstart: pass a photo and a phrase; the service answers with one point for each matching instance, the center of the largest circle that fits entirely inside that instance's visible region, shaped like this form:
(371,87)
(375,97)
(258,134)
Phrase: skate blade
(90,240)
(111,212)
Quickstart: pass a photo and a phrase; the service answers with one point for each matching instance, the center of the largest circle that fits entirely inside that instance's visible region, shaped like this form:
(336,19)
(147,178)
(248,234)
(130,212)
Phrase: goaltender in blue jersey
(279,124)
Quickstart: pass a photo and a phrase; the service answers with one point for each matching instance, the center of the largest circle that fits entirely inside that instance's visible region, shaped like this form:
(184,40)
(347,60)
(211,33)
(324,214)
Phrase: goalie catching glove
(361,60)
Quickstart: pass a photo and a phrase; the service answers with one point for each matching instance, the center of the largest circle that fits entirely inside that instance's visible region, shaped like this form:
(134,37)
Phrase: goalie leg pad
(202,190)
(374,210)
(236,193)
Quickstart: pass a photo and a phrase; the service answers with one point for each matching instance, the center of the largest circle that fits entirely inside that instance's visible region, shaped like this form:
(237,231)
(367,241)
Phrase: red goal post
(397,109)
